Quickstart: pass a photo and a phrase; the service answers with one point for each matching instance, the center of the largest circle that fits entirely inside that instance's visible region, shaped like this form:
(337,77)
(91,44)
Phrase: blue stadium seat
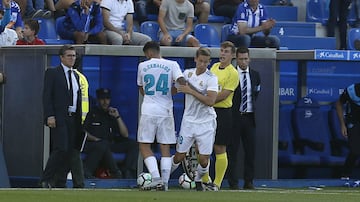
(312,132)
(353,34)
(267,2)
(307,42)
(289,28)
(283,13)
(47,29)
(150,28)
(152,17)
(287,155)
(48,33)
(207,35)
(225,30)
(218,19)
(317,11)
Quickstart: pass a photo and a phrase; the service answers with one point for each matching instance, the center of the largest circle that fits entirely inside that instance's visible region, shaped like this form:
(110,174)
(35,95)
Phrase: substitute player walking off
(155,80)
(199,118)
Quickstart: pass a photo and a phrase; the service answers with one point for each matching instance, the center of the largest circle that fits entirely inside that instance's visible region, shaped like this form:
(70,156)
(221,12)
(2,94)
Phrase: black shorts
(224,126)
(354,138)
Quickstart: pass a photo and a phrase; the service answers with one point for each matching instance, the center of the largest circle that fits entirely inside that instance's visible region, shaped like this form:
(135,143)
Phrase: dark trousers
(63,140)
(244,131)
(354,149)
(55,166)
(76,169)
(338,14)
(131,148)
(98,154)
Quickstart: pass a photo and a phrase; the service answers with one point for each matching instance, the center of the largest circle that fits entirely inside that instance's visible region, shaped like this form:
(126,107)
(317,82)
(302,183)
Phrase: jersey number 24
(161,85)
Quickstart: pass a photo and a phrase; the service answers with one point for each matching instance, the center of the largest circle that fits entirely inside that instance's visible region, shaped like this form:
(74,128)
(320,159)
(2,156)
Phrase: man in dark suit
(243,121)
(62,113)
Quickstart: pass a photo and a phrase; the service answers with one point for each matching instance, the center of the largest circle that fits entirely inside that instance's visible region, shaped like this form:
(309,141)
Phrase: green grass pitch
(178,195)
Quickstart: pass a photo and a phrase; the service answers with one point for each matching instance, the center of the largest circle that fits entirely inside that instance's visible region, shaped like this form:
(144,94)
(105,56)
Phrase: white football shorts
(163,128)
(202,133)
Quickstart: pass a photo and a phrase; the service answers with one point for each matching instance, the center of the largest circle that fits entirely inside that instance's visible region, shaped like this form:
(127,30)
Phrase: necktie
(71,93)
(243,107)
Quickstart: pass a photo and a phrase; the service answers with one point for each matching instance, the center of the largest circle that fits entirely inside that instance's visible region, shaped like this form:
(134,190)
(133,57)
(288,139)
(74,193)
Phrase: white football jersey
(156,76)
(196,111)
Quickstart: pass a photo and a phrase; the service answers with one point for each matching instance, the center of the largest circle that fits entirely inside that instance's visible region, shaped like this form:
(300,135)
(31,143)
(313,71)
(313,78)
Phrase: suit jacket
(255,89)
(56,98)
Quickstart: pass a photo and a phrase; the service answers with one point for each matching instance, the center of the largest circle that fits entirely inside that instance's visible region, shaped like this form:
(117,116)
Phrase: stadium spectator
(8,37)
(31,29)
(249,21)
(226,8)
(83,23)
(338,14)
(5,14)
(16,21)
(118,22)
(176,23)
(107,133)
(144,7)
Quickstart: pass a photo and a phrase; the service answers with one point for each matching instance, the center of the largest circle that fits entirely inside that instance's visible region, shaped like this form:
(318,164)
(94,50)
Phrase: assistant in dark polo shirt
(107,133)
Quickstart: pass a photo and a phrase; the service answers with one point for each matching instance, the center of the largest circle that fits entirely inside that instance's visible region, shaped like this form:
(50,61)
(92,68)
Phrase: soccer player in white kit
(155,79)
(199,118)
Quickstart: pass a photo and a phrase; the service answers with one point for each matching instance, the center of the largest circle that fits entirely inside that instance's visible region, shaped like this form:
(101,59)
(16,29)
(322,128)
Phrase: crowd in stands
(115,22)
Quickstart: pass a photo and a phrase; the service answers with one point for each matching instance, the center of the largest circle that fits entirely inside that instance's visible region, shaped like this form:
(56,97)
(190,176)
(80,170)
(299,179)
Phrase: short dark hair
(103,93)
(33,24)
(152,45)
(242,49)
(65,48)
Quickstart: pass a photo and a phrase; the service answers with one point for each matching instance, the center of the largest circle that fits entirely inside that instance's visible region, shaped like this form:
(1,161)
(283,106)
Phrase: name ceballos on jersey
(156,65)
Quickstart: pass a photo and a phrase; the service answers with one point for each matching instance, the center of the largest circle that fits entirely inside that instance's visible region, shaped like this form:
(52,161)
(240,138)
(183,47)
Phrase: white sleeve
(106,4)
(130,7)
(177,71)
(213,84)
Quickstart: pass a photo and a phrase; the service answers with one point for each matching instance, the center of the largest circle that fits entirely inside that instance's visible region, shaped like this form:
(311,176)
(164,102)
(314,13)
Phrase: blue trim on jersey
(352,94)
(245,13)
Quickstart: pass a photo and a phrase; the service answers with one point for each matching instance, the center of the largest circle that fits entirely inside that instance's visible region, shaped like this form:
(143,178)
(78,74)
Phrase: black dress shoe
(249,185)
(45,184)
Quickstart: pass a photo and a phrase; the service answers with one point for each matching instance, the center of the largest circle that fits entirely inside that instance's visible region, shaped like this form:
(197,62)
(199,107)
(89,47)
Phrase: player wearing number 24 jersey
(155,79)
